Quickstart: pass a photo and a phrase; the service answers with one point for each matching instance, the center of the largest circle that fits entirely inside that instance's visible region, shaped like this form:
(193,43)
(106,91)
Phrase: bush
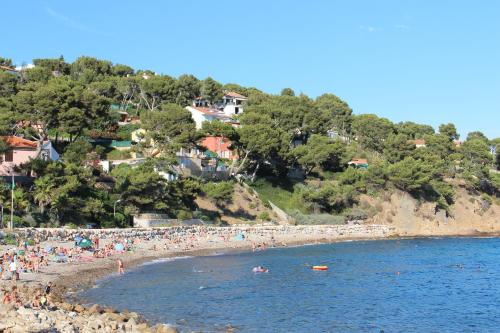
(184,215)
(124,132)
(116,154)
(264,216)
(356,214)
(219,193)
(312,219)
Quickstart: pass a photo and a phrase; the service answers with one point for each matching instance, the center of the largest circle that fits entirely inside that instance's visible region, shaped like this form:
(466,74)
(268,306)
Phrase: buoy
(320,268)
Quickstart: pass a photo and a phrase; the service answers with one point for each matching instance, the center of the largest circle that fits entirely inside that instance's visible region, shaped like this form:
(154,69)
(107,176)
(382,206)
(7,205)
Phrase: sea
(410,285)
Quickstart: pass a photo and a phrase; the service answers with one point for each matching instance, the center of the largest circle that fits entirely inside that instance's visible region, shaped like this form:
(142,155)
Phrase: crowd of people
(34,249)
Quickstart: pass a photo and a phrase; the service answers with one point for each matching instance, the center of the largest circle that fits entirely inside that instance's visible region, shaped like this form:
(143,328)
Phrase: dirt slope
(245,207)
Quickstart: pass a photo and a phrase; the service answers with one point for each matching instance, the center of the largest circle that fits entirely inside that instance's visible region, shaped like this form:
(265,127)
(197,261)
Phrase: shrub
(124,132)
(264,216)
(184,215)
(312,219)
(356,214)
(116,154)
(219,193)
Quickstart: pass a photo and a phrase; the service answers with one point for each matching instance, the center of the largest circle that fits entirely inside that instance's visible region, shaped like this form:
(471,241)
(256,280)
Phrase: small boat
(320,268)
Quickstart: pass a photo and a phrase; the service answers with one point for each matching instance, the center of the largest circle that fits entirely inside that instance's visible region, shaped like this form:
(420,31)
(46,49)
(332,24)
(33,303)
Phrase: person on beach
(121,269)
(13,270)
(48,288)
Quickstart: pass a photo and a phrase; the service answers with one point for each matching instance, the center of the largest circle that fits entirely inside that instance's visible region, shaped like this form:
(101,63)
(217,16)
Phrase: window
(236,110)
(9,156)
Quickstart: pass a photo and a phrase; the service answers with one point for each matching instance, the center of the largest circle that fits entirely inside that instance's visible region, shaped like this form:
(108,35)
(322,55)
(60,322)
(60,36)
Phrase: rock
(95,309)
(66,306)
(78,308)
(161,328)
(110,309)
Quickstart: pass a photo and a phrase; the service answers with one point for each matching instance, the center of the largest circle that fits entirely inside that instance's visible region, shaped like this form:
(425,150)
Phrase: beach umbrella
(85,243)
(119,247)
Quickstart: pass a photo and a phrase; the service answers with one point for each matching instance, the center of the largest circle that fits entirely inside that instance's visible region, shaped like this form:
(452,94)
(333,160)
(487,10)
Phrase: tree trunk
(255,172)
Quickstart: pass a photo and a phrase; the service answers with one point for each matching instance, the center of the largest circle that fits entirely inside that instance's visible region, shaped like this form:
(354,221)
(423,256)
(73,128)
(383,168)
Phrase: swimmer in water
(121,269)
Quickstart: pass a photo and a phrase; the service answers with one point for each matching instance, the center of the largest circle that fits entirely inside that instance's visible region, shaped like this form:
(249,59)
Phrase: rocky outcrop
(468,216)
(68,318)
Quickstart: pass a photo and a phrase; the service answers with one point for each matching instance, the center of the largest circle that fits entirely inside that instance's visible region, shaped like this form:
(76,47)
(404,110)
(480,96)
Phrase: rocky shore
(65,314)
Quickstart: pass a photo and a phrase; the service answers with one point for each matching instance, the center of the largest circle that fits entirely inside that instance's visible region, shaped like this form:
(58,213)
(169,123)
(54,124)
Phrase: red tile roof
(18,142)
(358,161)
(419,142)
(218,145)
(7,68)
(234,94)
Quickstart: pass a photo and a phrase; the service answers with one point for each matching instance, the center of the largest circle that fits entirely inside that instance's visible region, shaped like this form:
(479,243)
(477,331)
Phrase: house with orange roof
(359,163)
(20,150)
(419,143)
(8,69)
(220,146)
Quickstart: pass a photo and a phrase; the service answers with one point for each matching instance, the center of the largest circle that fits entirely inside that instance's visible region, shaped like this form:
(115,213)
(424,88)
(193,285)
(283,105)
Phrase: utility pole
(11,224)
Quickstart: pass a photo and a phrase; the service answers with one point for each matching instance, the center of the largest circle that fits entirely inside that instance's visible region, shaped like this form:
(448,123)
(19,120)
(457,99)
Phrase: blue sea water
(443,285)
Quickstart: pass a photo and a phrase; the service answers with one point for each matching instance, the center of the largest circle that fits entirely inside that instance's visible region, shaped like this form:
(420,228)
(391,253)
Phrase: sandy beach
(149,244)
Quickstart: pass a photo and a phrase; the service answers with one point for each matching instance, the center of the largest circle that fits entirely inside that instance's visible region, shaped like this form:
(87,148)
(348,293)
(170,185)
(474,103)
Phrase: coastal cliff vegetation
(312,157)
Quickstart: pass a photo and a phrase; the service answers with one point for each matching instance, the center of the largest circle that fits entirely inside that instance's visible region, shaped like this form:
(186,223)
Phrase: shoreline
(70,279)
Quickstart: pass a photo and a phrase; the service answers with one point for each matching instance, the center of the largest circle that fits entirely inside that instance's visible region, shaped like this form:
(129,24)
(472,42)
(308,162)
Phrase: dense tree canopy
(288,138)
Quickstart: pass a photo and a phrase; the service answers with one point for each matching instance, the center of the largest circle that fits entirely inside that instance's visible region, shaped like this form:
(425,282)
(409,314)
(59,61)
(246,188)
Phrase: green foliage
(450,131)
(167,130)
(323,152)
(287,92)
(397,147)
(77,152)
(116,154)
(318,219)
(211,90)
(372,131)
(184,215)
(330,113)
(414,131)
(220,193)
(264,216)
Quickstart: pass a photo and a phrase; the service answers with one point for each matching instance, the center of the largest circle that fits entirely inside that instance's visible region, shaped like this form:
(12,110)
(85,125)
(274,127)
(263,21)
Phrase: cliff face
(409,217)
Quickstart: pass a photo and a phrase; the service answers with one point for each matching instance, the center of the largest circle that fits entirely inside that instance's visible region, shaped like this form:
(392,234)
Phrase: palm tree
(44,192)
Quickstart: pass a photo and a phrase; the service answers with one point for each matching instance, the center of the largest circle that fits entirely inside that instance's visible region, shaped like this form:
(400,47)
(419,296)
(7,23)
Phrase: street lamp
(114,207)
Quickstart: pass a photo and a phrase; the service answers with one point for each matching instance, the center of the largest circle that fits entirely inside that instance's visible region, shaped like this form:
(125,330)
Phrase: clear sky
(431,61)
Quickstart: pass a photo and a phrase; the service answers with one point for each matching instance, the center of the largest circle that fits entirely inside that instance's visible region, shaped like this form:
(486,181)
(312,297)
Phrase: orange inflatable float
(320,268)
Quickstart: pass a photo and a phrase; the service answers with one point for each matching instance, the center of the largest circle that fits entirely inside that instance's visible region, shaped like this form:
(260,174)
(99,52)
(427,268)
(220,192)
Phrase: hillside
(92,142)
(244,207)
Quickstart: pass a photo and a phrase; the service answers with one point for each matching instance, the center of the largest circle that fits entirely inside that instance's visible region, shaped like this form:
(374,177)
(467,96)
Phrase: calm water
(444,285)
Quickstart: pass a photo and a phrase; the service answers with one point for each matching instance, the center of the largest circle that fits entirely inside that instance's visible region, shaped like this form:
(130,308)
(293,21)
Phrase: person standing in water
(121,269)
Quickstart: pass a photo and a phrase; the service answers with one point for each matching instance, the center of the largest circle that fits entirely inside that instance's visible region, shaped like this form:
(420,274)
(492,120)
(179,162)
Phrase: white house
(233,103)
(201,114)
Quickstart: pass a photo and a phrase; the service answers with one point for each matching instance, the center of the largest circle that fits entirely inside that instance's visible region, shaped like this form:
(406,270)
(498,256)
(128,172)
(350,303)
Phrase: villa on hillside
(8,69)
(419,143)
(220,146)
(21,150)
(359,163)
(231,105)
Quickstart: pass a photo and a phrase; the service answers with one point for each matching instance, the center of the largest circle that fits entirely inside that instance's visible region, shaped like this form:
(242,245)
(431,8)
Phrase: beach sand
(69,278)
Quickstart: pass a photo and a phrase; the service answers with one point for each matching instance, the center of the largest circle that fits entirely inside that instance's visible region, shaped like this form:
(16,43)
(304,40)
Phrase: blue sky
(425,61)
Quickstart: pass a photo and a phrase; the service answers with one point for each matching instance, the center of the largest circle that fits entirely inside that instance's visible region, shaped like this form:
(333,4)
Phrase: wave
(162,260)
